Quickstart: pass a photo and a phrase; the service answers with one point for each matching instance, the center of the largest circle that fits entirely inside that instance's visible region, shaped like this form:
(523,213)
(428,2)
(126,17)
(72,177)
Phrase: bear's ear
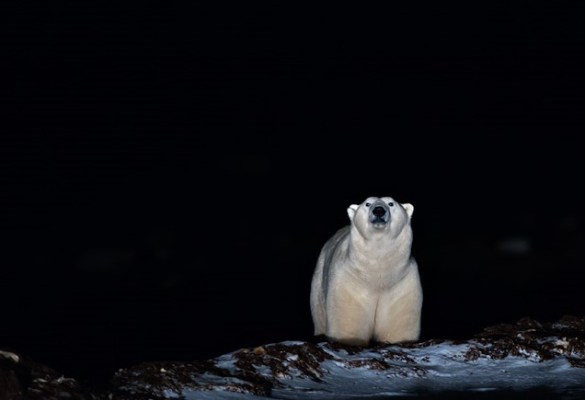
(351,211)
(409,209)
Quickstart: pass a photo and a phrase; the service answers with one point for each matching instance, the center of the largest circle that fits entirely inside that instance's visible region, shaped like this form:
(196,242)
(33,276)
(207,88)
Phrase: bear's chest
(374,277)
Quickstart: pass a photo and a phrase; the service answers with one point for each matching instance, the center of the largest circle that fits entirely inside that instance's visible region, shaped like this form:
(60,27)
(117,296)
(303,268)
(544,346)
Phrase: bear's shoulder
(336,239)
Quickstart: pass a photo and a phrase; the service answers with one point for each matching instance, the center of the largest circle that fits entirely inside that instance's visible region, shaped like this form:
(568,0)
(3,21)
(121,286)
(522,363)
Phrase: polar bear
(366,283)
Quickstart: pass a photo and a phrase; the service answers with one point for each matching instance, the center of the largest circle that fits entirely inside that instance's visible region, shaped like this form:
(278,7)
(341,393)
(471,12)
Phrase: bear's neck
(380,249)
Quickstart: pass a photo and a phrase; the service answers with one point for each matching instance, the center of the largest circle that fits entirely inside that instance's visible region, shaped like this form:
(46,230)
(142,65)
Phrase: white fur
(366,283)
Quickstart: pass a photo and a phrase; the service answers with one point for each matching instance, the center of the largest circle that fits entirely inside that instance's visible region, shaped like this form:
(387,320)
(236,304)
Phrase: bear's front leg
(398,313)
(350,316)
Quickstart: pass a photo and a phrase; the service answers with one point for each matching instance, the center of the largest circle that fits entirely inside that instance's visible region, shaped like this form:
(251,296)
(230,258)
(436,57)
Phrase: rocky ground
(543,359)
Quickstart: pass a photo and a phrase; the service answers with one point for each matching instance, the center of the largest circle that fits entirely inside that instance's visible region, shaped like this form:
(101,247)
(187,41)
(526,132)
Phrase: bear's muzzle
(379,215)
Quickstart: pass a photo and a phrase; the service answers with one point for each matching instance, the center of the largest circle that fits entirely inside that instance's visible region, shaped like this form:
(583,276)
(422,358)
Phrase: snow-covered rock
(526,359)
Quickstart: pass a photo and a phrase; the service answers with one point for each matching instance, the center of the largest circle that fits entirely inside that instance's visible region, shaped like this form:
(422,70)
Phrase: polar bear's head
(380,214)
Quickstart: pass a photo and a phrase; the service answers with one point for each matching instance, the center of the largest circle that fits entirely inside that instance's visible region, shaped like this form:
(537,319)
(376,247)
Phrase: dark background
(169,173)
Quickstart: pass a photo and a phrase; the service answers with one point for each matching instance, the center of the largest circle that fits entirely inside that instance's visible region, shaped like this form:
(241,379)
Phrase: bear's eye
(391,204)
(367,204)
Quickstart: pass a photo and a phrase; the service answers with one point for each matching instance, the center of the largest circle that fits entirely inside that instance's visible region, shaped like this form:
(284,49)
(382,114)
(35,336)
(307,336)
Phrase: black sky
(169,173)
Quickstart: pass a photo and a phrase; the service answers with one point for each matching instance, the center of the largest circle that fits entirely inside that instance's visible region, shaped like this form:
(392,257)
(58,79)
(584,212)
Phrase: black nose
(379,211)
